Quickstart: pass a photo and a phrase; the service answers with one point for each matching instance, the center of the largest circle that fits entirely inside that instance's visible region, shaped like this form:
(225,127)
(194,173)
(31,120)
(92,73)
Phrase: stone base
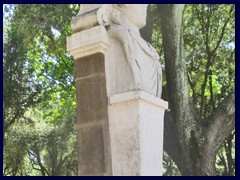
(136,133)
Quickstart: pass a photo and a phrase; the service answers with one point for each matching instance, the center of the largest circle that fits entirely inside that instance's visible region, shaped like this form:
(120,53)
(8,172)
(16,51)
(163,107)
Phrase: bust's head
(131,16)
(133,13)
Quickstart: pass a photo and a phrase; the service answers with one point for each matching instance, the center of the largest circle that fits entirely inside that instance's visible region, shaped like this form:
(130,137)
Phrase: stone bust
(123,22)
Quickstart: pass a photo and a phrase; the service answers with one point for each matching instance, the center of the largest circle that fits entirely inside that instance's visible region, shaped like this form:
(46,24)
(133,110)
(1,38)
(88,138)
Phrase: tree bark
(191,142)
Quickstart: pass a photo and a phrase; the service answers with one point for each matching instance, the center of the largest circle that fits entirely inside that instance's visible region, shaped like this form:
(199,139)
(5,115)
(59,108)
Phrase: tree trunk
(191,142)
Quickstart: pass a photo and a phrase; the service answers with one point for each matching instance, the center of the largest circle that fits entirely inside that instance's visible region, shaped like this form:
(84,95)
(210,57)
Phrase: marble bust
(139,68)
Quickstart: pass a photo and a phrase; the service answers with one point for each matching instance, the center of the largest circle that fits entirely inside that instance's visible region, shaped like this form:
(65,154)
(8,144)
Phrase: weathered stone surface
(125,138)
(91,150)
(92,117)
(91,89)
(94,89)
(88,42)
(86,18)
(90,65)
(118,80)
(136,133)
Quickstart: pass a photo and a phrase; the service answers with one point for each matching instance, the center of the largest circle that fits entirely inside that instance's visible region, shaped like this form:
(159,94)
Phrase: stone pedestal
(88,48)
(136,133)
(119,132)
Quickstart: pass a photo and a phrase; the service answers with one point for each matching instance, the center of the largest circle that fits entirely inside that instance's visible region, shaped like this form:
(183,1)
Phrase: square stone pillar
(120,132)
(136,133)
(88,48)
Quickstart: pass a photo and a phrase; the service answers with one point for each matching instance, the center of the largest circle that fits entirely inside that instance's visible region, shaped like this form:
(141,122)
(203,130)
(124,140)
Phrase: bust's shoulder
(148,48)
(117,27)
(119,32)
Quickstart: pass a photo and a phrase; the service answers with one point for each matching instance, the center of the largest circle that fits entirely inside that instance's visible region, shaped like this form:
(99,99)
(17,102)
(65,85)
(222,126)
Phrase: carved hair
(120,6)
(110,13)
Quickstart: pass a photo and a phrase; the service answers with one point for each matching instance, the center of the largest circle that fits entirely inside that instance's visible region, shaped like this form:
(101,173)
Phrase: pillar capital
(88,42)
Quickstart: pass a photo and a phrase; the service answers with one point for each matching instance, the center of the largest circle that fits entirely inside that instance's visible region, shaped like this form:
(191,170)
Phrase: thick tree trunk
(191,143)
(177,84)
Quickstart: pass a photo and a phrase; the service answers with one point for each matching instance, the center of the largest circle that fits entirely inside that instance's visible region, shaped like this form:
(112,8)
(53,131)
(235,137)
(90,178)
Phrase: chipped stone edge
(88,42)
(137,95)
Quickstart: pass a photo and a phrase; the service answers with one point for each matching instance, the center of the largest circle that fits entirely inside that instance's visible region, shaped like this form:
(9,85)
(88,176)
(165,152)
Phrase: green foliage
(41,148)
(38,71)
(19,91)
(169,167)
(209,36)
(209,47)
(45,28)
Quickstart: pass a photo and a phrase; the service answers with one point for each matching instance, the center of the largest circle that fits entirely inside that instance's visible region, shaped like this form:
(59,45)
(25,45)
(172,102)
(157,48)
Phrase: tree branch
(223,30)
(13,119)
(228,151)
(176,70)
(192,85)
(36,155)
(211,90)
(221,123)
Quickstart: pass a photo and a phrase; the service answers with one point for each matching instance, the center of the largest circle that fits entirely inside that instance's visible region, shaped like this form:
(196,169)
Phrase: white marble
(136,134)
(87,8)
(88,42)
(133,82)
(138,67)
(86,18)
(133,95)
